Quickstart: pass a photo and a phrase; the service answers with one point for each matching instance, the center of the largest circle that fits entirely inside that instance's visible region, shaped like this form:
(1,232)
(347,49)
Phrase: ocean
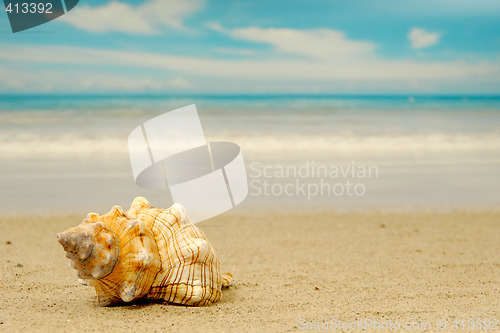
(62,154)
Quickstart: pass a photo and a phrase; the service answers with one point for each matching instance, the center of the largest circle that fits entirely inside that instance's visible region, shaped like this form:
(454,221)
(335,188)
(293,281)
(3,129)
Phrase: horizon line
(242,95)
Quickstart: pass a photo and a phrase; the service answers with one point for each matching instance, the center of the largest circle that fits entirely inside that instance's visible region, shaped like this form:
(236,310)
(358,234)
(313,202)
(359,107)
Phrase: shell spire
(146,252)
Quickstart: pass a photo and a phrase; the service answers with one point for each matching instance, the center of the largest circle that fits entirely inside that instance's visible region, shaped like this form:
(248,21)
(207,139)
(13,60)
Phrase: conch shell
(145,253)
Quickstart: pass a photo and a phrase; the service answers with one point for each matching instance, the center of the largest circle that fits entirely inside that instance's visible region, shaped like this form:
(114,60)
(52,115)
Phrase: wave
(257,144)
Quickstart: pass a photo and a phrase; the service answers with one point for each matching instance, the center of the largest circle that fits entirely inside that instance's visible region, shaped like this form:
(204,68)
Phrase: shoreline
(284,209)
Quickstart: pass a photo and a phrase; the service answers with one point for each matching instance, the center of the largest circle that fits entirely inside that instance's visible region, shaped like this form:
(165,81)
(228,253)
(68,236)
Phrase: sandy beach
(291,271)
(351,148)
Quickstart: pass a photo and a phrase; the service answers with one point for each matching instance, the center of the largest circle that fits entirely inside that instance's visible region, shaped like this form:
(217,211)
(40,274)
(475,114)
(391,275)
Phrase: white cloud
(309,59)
(316,43)
(419,38)
(371,69)
(179,82)
(85,80)
(239,52)
(122,17)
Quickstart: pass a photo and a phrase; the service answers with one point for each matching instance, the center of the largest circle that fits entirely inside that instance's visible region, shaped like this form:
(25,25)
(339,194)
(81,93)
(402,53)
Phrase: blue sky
(295,46)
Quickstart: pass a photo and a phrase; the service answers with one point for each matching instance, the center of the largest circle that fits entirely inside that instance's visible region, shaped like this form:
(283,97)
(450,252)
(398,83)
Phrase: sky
(258,47)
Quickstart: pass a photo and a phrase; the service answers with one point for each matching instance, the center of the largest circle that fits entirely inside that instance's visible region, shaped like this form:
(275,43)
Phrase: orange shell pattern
(155,253)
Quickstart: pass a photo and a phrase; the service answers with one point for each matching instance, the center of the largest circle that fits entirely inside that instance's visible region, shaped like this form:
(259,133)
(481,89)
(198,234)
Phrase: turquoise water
(243,102)
(70,153)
